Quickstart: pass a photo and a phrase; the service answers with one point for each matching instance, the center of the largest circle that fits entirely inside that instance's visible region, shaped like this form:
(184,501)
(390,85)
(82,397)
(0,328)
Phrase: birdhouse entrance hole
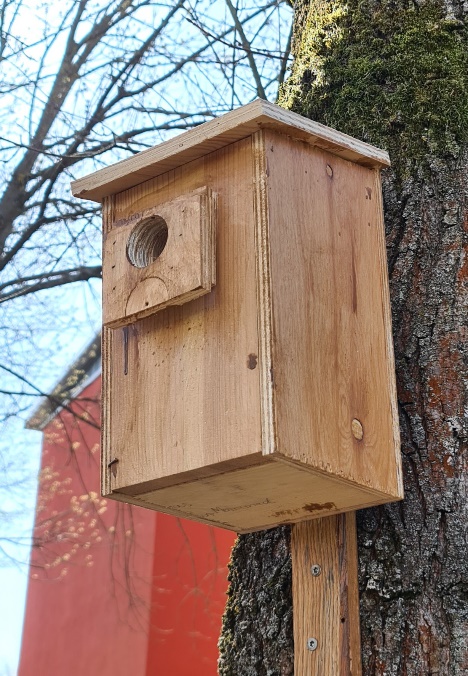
(147,241)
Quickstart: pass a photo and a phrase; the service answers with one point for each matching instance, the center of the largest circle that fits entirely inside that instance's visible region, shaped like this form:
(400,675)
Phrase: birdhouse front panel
(248,375)
(181,388)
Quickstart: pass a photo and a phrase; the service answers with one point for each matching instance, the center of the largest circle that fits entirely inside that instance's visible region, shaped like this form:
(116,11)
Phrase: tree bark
(257,634)
(394,73)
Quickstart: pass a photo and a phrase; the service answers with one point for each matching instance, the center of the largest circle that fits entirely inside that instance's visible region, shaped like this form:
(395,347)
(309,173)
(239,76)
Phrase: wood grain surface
(264,494)
(271,399)
(332,355)
(185,269)
(183,390)
(326,597)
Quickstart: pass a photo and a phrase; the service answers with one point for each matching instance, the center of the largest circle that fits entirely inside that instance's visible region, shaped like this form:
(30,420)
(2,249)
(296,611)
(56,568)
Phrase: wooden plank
(184,269)
(262,246)
(265,494)
(388,333)
(334,391)
(184,392)
(213,135)
(107,469)
(326,597)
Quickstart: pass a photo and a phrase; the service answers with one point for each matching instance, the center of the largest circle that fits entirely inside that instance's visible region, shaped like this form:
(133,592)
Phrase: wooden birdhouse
(248,376)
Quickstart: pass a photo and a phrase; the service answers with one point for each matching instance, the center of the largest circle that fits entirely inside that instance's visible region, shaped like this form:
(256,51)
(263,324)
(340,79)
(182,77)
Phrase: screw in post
(315,570)
(312,644)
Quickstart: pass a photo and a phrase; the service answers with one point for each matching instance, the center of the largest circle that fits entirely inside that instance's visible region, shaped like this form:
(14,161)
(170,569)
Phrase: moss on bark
(391,73)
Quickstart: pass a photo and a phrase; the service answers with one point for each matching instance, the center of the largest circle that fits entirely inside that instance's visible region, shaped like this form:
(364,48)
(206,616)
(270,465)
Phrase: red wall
(115,590)
(188,597)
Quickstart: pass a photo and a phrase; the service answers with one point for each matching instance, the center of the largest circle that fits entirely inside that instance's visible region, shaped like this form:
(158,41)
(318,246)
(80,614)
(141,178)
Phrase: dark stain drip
(125,338)
(317,507)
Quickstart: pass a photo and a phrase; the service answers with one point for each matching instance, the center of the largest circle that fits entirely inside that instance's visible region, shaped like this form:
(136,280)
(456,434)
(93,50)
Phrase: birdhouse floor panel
(275,492)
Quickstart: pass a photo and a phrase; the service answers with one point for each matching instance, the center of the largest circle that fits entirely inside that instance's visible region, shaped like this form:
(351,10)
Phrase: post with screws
(325,597)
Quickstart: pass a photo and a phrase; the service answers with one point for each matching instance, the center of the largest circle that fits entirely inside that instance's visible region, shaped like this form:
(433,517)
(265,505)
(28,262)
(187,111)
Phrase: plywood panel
(325,597)
(331,327)
(174,260)
(257,497)
(184,388)
(209,137)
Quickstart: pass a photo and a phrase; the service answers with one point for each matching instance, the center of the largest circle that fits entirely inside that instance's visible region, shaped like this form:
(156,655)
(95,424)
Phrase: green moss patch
(391,73)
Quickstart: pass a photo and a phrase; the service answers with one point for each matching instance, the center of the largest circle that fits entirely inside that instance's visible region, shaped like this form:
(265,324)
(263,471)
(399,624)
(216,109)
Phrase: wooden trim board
(265,341)
(211,136)
(184,270)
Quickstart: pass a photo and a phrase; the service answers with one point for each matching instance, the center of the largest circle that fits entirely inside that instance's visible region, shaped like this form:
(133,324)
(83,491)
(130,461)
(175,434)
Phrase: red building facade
(113,590)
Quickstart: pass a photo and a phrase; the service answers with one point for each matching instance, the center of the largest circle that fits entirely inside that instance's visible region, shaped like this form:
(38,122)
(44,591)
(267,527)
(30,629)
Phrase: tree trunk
(393,74)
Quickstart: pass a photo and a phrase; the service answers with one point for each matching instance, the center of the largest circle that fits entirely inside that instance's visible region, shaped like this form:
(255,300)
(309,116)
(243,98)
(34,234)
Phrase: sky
(13,585)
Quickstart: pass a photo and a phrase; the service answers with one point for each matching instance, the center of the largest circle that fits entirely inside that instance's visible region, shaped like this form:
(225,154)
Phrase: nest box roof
(215,134)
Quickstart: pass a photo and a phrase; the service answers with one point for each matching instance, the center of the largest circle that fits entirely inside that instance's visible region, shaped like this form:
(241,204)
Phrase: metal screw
(315,570)
(312,644)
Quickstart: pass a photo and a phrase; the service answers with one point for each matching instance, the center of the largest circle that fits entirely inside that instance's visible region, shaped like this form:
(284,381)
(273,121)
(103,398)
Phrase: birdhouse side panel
(332,361)
(181,388)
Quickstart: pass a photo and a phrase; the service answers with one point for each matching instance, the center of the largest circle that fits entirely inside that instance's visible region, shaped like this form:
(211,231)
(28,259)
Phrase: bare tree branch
(87,85)
(48,280)
(248,50)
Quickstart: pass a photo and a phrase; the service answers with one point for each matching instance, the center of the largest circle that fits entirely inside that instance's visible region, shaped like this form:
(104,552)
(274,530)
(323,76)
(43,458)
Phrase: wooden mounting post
(326,597)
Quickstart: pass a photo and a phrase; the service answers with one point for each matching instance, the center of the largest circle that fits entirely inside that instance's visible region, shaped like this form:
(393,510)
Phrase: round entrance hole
(147,241)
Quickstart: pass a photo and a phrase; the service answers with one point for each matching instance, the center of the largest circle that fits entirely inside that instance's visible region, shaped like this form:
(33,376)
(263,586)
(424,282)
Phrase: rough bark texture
(394,73)
(257,635)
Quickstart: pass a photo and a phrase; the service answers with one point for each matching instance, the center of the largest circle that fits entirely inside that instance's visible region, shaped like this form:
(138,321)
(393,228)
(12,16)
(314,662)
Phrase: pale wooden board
(211,136)
(184,270)
(191,396)
(257,497)
(326,607)
(331,352)
(264,309)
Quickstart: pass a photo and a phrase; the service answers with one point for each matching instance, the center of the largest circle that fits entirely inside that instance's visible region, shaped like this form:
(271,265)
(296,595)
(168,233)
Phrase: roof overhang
(215,134)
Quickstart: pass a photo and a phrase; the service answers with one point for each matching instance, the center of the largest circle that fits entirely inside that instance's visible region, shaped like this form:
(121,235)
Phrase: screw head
(312,644)
(315,570)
